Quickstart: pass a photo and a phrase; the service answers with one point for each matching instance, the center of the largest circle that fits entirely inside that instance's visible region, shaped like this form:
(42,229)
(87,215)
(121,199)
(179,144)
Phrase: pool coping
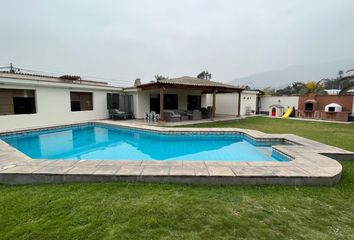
(310,163)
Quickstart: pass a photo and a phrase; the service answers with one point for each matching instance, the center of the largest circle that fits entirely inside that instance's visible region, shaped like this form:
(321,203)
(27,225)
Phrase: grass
(335,134)
(172,211)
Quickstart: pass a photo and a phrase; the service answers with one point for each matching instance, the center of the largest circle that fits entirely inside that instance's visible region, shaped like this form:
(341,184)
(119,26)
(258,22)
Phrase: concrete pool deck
(310,165)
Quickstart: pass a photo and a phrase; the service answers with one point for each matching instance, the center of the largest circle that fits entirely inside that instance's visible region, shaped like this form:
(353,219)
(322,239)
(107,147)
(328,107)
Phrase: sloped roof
(44,79)
(276,105)
(192,82)
(64,77)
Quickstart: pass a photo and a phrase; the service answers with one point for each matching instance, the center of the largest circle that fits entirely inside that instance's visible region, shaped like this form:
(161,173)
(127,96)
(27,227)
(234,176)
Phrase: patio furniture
(171,116)
(206,112)
(116,114)
(146,116)
(184,117)
(195,115)
(153,116)
(183,113)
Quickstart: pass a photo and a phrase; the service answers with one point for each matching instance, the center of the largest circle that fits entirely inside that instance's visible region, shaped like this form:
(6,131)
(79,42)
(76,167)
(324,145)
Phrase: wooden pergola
(190,83)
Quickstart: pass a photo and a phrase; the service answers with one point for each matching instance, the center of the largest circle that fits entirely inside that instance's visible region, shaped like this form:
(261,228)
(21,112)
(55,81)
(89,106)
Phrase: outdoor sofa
(117,114)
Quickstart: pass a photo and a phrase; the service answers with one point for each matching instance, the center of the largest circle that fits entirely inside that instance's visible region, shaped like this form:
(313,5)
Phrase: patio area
(141,122)
(180,99)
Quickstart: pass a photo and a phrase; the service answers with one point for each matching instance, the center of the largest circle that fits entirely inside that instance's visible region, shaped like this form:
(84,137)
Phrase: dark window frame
(113,100)
(18,101)
(194,102)
(170,101)
(77,103)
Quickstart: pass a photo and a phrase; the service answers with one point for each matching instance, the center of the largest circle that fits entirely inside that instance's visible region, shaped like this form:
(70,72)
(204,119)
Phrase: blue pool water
(96,142)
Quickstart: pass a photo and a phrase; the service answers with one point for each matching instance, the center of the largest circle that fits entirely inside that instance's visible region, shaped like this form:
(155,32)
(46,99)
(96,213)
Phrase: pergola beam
(162,93)
(204,89)
(214,105)
(239,104)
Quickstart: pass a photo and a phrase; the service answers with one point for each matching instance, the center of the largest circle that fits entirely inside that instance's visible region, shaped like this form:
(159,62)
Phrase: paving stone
(53,169)
(87,163)
(121,162)
(4,167)
(155,171)
(220,171)
(130,170)
(81,170)
(269,164)
(201,172)
(34,162)
(194,164)
(182,172)
(61,163)
(106,169)
(161,163)
(22,169)
(254,171)
(290,172)
(225,164)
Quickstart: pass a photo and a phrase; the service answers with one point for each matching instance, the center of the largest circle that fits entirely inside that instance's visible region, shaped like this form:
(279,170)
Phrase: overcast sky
(125,40)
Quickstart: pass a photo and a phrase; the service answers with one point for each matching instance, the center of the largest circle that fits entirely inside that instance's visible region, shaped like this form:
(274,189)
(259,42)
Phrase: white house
(34,101)
(28,100)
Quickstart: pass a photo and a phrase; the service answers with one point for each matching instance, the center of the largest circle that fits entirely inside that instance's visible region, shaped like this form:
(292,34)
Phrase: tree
(297,87)
(347,82)
(284,91)
(246,87)
(204,75)
(293,89)
(344,83)
(312,87)
(268,91)
(160,77)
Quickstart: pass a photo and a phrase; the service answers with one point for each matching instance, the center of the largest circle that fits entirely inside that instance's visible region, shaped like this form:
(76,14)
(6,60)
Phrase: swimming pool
(104,142)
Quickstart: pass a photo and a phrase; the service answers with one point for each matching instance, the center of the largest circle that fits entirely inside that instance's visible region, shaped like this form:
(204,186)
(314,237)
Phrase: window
(170,101)
(193,102)
(331,109)
(17,101)
(81,101)
(112,101)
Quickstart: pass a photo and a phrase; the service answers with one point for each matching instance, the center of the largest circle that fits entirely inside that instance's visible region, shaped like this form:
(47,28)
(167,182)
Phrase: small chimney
(137,82)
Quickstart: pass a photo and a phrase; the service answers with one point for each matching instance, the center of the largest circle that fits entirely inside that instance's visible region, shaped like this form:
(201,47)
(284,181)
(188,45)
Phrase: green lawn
(171,211)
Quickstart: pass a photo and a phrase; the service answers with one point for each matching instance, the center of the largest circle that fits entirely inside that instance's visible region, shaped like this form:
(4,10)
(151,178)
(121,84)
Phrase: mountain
(282,77)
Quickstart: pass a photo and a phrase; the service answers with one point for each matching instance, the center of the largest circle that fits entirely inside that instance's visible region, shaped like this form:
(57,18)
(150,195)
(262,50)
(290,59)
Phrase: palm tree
(314,88)
(160,77)
(346,82)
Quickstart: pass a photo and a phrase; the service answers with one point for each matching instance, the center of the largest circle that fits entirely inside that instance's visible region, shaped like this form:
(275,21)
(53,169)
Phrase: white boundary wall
(285,101)
(227,103)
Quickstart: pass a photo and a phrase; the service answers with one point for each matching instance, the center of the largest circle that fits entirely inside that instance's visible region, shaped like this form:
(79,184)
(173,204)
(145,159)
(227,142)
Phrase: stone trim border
(308,163)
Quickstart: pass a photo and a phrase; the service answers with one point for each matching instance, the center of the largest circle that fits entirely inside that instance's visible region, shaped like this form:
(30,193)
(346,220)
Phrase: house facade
(28,100)
(228,103)
(36,101)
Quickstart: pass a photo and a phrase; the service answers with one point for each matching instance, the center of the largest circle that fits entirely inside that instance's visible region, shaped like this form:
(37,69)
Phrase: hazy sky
(125,40)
